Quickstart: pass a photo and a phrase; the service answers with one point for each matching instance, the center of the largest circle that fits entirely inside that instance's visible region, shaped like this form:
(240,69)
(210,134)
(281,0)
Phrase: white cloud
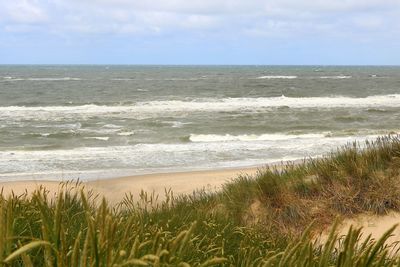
(179,6)
(23,11)
(261,18)
(369,22)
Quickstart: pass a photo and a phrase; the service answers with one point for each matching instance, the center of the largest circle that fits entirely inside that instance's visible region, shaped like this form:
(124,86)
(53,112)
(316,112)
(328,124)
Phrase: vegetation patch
(270,219)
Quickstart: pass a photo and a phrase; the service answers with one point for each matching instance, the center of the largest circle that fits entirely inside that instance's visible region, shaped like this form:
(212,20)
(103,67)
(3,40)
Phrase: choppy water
(99,121)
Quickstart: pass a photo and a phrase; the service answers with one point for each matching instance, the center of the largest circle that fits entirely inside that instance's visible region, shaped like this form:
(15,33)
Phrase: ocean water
(90,122)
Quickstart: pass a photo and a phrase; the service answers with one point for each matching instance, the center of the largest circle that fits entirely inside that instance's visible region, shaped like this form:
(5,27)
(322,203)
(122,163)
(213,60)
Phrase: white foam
(112,126)
(45,134)
(102,138)
(184,79)
(336,77)
(158,156)
(12,79)
(176,124)
(277,77)
(249,137)
(43,79)
(55,79)
(100,131)
(170,107)
(126,133)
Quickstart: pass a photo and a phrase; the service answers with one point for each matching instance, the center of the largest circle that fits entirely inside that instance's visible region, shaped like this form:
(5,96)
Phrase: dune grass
(271,219)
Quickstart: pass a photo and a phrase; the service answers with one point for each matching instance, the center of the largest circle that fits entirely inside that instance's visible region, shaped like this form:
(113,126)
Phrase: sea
(85,122)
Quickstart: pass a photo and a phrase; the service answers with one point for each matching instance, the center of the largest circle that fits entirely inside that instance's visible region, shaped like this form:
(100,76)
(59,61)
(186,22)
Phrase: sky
(261,32)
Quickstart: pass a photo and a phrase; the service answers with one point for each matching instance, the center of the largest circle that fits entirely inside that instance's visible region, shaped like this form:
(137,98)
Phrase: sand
(374,225)
(114,189)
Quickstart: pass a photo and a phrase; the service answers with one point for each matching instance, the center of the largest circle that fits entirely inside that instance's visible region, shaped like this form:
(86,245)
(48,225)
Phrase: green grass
(271,219)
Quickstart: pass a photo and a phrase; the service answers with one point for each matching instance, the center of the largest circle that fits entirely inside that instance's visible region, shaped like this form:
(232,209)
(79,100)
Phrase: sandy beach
(114,189)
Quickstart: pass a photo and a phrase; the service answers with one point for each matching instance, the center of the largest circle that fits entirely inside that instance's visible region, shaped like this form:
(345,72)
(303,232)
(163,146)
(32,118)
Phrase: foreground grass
(271,219)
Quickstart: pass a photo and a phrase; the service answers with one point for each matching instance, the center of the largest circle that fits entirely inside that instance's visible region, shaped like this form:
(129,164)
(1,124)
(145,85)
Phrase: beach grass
(273,218)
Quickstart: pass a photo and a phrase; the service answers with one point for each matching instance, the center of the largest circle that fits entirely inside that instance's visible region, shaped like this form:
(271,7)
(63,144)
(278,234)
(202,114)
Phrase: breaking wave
(161,108)
(249,137)
(277,77)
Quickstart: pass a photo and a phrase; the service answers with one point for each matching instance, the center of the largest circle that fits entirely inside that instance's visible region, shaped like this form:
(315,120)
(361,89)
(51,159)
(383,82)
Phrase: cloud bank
(358,21)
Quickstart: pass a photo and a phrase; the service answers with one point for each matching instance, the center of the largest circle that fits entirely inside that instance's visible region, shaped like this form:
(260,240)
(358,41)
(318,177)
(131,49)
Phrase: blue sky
(200,32)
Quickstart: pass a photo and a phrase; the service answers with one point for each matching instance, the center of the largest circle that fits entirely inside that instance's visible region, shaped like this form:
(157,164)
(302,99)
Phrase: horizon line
(195,65)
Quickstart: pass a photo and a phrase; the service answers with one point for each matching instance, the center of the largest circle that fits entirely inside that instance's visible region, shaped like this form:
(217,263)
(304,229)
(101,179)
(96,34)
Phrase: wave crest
(249,137)
(277,77)
(336,77)
(161,108)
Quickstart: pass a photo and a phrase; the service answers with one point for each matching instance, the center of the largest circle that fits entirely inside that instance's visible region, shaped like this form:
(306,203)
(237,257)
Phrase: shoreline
(115,188)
